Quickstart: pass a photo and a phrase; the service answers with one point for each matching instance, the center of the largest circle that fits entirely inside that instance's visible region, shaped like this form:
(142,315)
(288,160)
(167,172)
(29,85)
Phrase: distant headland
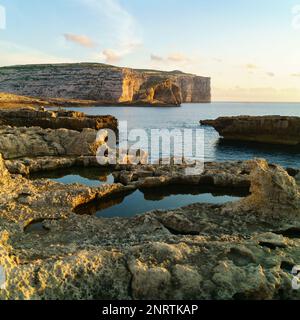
(93,83)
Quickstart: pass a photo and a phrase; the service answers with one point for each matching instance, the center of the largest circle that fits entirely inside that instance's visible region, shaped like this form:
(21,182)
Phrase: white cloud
(172,58)
(111,56)
(81,40)
(123,27)
(155,57)
(251,66)
(178,57)
(270,74)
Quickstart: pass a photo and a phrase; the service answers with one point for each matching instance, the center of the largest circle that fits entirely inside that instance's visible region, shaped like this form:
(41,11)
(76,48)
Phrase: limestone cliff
(104,84)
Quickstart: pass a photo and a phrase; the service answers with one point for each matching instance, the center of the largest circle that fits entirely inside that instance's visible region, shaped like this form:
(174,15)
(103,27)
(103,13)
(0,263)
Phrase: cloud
(270,74)
(217,60)
(172,58)
(81,40)
(154,57)
(124,28)
(178,57)
(251,66)
(253,69)
(111,56)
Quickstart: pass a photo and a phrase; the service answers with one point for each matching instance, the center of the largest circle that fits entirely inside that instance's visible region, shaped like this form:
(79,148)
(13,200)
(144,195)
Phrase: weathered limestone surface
(78,121)
(103,84)
(47,140)
(238,250)
(266,129)
(36,142)
(229,175)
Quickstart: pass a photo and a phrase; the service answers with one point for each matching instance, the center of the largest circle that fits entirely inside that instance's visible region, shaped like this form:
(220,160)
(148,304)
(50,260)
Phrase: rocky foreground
(266,129)
(87,83)
(240,250)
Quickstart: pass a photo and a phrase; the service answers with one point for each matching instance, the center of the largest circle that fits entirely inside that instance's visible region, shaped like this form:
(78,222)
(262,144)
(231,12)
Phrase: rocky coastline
(239,250)
(265,129)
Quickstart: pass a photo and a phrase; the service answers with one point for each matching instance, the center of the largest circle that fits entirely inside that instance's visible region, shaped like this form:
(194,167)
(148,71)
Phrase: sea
(188,116)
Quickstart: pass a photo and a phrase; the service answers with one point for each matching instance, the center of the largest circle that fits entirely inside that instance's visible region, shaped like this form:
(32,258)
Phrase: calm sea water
(188,116)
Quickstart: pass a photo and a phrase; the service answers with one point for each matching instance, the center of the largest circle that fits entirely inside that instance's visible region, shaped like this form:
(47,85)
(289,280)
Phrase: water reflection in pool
(138,202)
(36,227)
(92,177)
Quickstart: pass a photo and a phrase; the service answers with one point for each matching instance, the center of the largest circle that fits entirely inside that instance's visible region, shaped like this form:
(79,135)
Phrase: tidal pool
(92,177)
(36,227)
(138,202)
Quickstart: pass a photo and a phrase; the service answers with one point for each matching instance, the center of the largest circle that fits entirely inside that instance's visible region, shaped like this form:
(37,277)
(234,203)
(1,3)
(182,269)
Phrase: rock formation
(102,84)
(30,117)
(230,251)
(52,246)
(266,129)
(34,149)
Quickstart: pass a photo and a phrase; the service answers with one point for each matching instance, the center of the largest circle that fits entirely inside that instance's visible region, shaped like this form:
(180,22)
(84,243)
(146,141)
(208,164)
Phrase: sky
(250,48)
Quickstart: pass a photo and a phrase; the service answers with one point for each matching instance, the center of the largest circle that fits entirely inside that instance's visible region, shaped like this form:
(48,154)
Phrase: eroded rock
(231,251)
(267,129)
(35,142)
(61,119)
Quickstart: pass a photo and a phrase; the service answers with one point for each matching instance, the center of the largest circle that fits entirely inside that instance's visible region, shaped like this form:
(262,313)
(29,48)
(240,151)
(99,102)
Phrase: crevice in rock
(181,232)
(292,233)
(287,266)
(270,245)
(130,289)
(292,172)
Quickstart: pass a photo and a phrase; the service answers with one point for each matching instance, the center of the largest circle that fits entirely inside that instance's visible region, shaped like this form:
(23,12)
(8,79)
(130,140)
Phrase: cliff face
(103,83)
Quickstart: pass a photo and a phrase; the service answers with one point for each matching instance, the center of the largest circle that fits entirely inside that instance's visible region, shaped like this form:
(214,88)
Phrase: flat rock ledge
(266,129)
(240,250)
(32,149)
(61,119)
